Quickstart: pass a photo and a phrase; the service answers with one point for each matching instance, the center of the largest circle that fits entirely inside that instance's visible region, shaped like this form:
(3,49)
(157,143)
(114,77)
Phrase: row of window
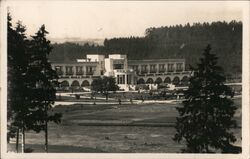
(79,70)
(153,68)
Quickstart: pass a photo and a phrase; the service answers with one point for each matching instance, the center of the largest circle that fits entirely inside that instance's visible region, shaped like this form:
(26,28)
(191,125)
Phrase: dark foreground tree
(206,117)
(17,106)
(30,90)
(104,85)
(41,78)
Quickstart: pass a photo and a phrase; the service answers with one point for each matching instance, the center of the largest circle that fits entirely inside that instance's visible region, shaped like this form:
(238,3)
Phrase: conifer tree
(30,77)
(206,117)
(41,77)
(17,108)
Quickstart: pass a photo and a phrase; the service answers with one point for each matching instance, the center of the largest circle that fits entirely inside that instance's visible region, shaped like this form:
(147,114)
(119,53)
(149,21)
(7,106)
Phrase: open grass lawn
(115,129)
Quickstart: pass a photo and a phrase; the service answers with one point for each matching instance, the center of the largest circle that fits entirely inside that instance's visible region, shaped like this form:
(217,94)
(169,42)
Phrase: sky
(108,19)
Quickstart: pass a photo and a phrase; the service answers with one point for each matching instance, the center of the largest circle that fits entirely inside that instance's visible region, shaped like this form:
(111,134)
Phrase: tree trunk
(17,139)
(207,149)
(46,136)
(46,129)
(23,140)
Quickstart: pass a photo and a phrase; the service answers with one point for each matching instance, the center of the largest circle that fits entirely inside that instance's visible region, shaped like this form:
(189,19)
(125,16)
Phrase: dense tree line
(188,42)
(176,41)
(71,51)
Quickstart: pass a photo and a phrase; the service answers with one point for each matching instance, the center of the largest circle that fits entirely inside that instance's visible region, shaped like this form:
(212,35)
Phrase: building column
(125,82)
(139,69)
(117,79)
(74,70)
(166,68)
(157,68)
(84,70)
(174,67)
(64,70)
(132,79)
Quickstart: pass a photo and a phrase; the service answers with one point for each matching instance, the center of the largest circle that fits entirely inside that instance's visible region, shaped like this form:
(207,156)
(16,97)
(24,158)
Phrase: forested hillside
(178,41)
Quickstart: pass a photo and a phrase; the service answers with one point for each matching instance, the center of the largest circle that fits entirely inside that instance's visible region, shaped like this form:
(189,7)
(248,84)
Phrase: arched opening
(176,81)
(167,80)
(150,81)
(64,84)
(75,84)
(158,80)
(141,81)
(185,80)
(85,83)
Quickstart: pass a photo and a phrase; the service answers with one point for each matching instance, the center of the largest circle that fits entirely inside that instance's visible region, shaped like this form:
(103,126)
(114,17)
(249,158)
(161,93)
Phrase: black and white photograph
(124,77)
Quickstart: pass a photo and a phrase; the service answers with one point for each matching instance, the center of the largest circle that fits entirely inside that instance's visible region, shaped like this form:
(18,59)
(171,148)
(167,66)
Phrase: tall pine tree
(17,107)
(208,109)
(41,77)
(30,89)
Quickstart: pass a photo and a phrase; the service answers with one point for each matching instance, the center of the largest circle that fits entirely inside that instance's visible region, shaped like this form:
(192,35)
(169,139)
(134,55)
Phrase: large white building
(116,65)
(128,73)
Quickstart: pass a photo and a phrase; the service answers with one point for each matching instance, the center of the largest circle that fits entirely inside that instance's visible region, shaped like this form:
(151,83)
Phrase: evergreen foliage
(206,117)
(41,78)
(30,77)
(17,105)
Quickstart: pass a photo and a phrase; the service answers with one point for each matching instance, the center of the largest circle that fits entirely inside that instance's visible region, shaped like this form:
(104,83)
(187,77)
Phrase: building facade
(128,73)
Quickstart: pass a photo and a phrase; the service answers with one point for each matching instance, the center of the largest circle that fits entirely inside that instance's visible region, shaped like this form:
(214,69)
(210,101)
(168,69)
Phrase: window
(144,69)
(153,68)
(170,67)
(118,66)
(69,70)
(179,67)
(59,70)
(135,68)
(79,70)
(161,67)
(89,70)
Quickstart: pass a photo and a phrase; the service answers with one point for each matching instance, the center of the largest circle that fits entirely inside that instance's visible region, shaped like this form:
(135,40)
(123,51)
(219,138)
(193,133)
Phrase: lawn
(115,129)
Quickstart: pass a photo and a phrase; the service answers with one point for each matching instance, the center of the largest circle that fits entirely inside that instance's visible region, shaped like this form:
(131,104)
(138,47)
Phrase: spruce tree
(30,77)
(206,118)
(41,76)
(17,106)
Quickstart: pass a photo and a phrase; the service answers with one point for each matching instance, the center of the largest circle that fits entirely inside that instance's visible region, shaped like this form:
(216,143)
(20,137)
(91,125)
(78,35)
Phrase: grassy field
(115,129)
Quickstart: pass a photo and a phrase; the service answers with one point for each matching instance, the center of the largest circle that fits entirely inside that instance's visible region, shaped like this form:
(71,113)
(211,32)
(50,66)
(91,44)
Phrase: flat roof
(155,60)
(129,61)
(73,62)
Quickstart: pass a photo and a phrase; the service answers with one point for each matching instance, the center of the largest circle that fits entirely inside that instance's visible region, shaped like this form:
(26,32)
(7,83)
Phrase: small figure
(107,138)
(94,101)
(142,99)
(60,97)
(131,100)
(119,101)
